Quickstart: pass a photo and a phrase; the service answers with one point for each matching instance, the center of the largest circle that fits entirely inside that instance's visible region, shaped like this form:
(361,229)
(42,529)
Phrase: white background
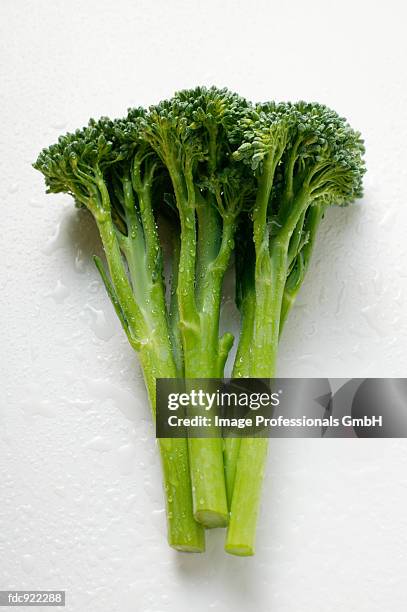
(81,506)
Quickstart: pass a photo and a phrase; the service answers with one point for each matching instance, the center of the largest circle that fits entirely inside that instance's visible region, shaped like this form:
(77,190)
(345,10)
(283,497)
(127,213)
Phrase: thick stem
(273,298)
(209,237)
(183,532)
(208,483)
(206,463)
(253,451)
(240,539)
(270,280)
(208,362)
(156,360)
(263,323)
(205,455)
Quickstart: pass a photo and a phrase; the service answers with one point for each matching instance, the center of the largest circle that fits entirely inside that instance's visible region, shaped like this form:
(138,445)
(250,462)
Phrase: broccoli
(305,158)
(112,174)
(229,178)
(192,134)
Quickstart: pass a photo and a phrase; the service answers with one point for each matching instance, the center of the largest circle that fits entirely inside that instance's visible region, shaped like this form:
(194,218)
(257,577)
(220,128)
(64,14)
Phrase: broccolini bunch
(232,177)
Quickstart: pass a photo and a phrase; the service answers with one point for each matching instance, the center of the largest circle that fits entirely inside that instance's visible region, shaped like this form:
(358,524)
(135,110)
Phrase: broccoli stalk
(192,136)
(112,175)
(305,158)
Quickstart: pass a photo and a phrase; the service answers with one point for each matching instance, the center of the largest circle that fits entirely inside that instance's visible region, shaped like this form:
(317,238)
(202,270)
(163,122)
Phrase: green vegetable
(111,172)
(221,176)
(192,135)
(305,158)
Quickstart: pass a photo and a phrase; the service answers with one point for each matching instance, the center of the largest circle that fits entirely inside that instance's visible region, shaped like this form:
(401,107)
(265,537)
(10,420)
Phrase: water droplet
(98,323)
(99,444)
(59,293)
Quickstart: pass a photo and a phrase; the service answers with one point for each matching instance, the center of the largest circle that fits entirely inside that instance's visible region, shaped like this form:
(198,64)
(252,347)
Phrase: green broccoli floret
(305,158)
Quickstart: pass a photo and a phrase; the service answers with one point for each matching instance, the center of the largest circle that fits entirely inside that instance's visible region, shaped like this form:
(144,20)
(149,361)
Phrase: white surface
(81,504)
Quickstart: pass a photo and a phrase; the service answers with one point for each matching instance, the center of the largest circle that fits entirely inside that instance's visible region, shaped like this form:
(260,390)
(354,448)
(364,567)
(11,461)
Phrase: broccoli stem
(269,282)
(209,490)
(154,349)
(270,299)
(245,466)
(253,451)
(240,539)
(245,300)
(206,360)
(208,240)
(206,463)
(241,369)
(203,352)
(183,532)
(173,313)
